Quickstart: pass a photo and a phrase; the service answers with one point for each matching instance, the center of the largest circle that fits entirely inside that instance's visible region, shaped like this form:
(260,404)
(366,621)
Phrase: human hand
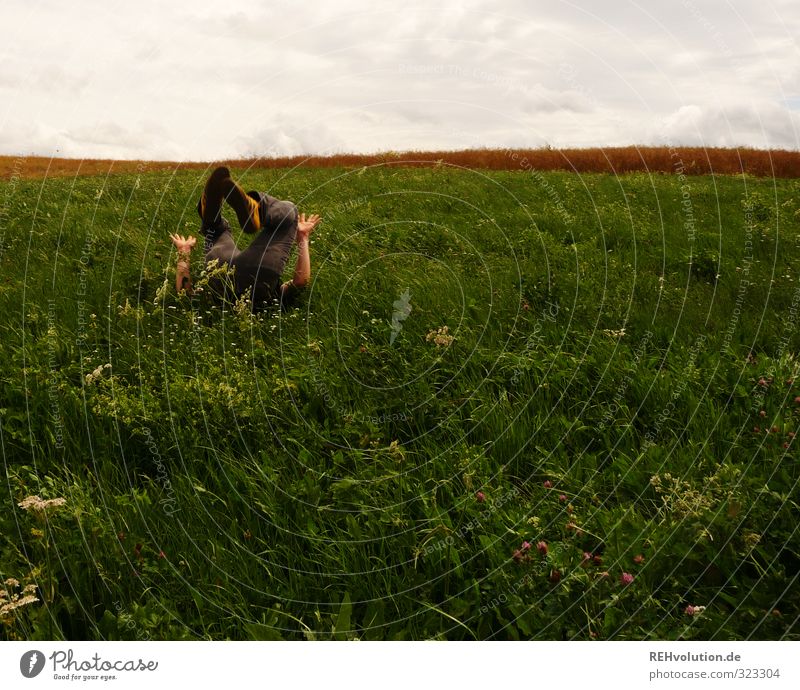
(305,226)
(184,245)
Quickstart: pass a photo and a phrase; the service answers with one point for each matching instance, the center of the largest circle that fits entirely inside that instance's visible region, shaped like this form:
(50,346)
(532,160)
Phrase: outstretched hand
(184,245)
(305,226)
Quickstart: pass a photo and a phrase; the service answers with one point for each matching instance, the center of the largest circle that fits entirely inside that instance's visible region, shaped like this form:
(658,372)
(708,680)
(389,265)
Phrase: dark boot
(210,206)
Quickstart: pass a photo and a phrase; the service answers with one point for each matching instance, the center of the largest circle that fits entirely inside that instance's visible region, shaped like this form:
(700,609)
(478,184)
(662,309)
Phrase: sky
(213,80)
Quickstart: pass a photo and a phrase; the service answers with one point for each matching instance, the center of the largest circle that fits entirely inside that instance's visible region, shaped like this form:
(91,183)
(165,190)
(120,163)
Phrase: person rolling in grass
(258,268)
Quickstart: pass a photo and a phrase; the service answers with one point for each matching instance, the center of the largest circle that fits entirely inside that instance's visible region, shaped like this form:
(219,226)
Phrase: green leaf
(342,625)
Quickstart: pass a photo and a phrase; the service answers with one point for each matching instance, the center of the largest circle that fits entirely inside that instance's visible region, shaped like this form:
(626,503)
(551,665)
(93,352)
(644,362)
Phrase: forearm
(183,280)
(302,269)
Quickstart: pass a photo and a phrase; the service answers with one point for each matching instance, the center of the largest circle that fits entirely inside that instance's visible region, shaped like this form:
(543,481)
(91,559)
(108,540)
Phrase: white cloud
(764,125)
(204,80)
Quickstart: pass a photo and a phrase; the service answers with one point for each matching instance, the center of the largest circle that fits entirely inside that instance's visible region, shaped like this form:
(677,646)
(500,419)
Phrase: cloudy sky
(206,80)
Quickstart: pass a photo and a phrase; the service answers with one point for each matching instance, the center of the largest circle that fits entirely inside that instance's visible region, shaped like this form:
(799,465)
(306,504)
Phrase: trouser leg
(223,249)
(271,248)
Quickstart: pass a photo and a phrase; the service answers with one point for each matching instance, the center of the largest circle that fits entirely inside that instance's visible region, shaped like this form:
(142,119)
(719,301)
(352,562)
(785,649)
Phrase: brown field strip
(688,160)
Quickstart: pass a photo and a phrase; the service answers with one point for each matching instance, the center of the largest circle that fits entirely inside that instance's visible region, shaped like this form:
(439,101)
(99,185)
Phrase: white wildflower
(440,336)
(16,603)
(97,373)
(37,505)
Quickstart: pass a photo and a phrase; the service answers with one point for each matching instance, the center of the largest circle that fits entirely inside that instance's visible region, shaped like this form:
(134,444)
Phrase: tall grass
(590,412)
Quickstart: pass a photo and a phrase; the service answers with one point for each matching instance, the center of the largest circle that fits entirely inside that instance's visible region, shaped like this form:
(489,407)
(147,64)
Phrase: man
(258,268)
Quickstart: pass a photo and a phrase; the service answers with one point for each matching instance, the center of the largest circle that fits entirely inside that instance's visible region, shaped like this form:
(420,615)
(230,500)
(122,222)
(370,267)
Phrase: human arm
(302,269)
(184,245)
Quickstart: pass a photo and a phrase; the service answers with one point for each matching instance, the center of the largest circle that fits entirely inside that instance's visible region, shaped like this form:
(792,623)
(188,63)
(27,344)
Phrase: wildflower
(562,498)
(598,560)
(547,484)
(625,579)
(35,504)
(11,582)
(526,546)
(797,400)
(97,373)
(638,559)
(555,576)
(517,555)
(763,413)
(762,382)
(541,547)
(16,603)
(586,557)
(440,336)
(480,497)
(161,554)
(756,429)
(693,610)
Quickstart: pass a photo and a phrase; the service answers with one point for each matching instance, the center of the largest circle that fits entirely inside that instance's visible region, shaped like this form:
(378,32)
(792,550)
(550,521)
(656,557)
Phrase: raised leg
(271,248)
(260,266)
(210,205)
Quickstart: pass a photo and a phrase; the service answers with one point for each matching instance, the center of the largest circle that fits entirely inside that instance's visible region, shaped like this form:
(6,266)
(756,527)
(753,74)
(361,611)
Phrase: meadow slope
(513,404)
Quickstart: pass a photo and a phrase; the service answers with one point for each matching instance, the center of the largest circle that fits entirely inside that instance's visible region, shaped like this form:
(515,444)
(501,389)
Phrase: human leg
(210,205)
(221,187)
(223,247)
(271,248)
(259,267)
(219,243)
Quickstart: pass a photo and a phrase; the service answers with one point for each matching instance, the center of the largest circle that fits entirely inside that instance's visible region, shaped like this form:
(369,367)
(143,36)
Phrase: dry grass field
(690,160)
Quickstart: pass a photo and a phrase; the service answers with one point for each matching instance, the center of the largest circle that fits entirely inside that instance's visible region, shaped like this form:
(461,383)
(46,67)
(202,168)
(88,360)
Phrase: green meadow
(511,405)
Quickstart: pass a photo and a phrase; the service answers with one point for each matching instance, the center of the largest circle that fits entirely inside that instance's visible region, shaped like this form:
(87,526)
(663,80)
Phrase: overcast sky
(206,80)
